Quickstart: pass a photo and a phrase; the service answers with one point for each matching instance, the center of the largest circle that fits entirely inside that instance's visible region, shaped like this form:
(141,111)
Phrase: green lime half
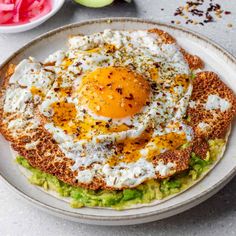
(94,3)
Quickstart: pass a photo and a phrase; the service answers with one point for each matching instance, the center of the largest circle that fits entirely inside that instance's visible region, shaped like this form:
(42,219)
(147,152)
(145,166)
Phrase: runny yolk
(170,141)
(114,92)
(154,74)
(63,113)
(37,91)
(64,116)
(128,150)
(182,80)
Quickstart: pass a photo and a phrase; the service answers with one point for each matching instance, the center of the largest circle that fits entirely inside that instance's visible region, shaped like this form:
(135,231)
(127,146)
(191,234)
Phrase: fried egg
(112,102)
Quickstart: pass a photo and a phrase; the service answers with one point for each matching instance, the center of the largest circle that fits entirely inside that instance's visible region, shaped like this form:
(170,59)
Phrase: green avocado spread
(144,193)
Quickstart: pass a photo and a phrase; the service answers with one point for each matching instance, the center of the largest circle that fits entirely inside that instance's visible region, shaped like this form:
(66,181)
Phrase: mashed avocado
(144,193)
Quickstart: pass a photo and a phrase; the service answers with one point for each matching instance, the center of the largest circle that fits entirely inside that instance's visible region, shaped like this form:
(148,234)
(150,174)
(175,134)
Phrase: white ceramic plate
(216,58)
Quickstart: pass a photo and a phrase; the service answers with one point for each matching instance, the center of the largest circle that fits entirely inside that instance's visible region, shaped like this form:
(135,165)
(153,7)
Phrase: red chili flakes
(119,90)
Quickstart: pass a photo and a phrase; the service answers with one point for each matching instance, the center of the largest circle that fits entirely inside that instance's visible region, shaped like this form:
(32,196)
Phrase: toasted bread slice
(210,123)
(179,157)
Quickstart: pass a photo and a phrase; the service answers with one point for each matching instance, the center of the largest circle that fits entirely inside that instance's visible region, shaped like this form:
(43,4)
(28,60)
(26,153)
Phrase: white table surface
(216,216)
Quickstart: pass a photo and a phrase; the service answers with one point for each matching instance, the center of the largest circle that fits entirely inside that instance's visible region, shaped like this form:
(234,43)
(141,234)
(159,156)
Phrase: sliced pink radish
(44,12)
(4,18)
(23,11)
(6,7)
(16,17)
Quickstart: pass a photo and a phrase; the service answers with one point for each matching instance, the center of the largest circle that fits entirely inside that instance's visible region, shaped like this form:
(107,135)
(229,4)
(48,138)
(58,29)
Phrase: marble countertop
(216,216)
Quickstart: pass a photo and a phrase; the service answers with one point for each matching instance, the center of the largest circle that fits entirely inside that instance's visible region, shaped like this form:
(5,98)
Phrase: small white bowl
(56,6)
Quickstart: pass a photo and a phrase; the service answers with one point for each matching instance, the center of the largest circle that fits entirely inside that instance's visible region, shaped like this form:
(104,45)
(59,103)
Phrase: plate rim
(97,218)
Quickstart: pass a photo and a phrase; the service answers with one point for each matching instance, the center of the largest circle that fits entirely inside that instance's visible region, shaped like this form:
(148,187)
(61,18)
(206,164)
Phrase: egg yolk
(182,80)
(128,150)
(64,116)
(170,141)
(36,91)
(154,74)
(63,113)
(114,92)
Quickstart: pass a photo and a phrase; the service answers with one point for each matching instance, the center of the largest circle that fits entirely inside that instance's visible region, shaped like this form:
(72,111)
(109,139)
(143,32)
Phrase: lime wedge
(94,3)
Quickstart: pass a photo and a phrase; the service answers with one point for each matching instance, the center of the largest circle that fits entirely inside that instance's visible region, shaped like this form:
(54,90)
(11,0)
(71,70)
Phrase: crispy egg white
(112,102)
